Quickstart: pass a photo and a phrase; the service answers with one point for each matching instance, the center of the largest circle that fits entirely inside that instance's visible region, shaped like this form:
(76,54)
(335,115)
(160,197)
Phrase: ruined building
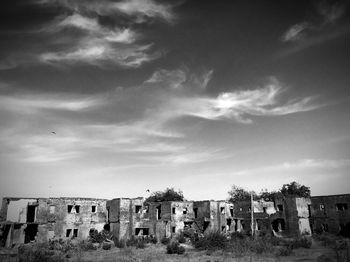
(23,220)
(26,219)
(290,214)
(330,213)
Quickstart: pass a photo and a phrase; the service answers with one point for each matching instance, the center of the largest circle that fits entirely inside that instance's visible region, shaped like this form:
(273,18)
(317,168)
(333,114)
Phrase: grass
(211,247)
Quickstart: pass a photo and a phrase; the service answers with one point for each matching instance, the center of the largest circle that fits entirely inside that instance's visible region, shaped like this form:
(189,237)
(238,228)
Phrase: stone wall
(330,213)
(47,218)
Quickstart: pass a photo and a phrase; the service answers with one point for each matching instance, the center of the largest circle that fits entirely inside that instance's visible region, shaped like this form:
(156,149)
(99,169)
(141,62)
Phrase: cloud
(297,166)
(147,8)
(99,45)
(139,10)
(28,103)
(317,163)
(237,105)
(168,78)
(296,32)
(97,32)
(331,12)
(309,33)
(137,122)
(100,54)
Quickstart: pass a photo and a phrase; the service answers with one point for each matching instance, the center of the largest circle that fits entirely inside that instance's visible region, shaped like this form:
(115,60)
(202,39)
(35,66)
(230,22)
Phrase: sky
(107,99)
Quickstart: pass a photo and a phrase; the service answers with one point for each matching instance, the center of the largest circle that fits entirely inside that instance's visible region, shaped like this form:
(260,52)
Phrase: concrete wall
(45,218)
(325,214)
(52,217)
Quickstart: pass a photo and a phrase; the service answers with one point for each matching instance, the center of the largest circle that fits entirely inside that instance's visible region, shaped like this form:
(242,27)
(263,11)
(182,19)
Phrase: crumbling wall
(329,217)
(17,209)
(181,213)
(297,215)
(45,218)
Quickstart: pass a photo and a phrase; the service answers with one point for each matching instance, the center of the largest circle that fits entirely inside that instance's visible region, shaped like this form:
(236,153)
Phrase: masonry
(23,220)
(330,213)
(27,219)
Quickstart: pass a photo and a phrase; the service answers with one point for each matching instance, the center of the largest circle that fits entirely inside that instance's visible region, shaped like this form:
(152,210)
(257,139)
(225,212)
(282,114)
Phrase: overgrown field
(212,247)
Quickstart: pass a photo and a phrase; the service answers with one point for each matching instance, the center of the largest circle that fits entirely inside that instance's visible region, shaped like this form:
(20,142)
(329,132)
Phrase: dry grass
(158,253)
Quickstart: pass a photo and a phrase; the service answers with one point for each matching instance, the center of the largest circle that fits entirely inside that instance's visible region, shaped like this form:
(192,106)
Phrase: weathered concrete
(330,213)
(46,218)
(29,219)
(213,215)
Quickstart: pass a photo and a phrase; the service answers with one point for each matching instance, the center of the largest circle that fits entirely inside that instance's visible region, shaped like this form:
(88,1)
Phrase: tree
(239,194)
(269,196)
(169,194)
(295,189)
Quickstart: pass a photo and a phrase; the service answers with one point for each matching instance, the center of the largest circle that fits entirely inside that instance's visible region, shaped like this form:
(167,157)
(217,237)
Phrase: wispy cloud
(296,32)
(238,105)
(78,36)
(99,44)
(139,9)
(137,121)
(28,103)
(145,8)
(331,12)
(309,33)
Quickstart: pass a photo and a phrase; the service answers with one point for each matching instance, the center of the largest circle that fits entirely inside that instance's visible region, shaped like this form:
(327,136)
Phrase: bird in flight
(53,132)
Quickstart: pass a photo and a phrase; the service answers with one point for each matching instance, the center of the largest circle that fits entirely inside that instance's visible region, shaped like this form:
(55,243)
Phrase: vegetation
(237,193)
(239,244)
(211,241)
(215,246)
(175,248)
(169,194)
(295,189)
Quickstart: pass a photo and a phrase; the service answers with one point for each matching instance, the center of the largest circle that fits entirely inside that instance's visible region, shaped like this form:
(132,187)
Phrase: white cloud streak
(27,103)
(139,9)
(146,132)
(309,33)
(100,44)
(238,105)
(296,32)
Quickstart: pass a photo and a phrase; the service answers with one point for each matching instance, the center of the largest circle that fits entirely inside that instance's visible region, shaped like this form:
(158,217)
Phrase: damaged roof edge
(50,198)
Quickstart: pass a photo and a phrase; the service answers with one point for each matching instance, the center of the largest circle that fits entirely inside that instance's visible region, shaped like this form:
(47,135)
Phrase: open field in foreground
(317,252)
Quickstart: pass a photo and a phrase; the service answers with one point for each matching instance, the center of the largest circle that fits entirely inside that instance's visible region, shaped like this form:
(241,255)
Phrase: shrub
(39,252)
(326,239)
(131,242)
(191,234)
(136,242)
(260,246)
(325,258)
(141,244)
(212,241)
(153,240)
(304,242)
(107,245)
(181,250)
(119,243)
(239,247)
(237,235)
(175,248)
(165,240)
(87,245)
(284,251)
(182,238)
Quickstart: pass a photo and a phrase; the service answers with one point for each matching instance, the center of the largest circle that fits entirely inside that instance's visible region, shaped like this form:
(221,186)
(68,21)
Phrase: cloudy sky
(102,98)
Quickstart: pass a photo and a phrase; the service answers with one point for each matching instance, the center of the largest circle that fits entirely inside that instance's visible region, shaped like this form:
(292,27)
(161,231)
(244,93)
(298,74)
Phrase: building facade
(330,213)
(23,220)
(27,219)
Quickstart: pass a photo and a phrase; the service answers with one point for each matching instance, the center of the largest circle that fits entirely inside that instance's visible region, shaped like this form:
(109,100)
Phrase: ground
(158,253)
